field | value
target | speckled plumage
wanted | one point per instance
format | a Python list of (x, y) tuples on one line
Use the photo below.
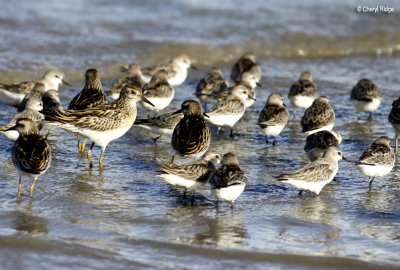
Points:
[(158, 91), (132, 76), (212, 84), (319, 116), (191, 136), (303, 92), (366, 96), (318, 142), (245, 64)]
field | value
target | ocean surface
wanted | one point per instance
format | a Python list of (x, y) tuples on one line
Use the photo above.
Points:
[(124, 217)]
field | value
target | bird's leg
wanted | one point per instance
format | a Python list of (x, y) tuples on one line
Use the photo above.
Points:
[(79, 145), (370, 116), (19, 187), (33, 186), (370, 181), (266, 139), (172, 161), (101, 158), (192, 201), (219, 128), (301, 191), (156, 138), (89, 155), (82, 150), (184, 193), (231, 135), (396, 150), (274, 142)]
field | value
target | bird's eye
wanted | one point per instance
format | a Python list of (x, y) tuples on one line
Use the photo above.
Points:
[(57, 76), (339, 153), (133, 92)]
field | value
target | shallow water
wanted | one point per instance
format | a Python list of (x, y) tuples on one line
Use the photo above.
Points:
[(124, 217)]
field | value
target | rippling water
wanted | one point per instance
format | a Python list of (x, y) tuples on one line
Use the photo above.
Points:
[(126, 218)]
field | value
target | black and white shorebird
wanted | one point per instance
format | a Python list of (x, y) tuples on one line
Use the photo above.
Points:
[(14, 93), (394, 119), (377, 160), (210, 86), (176, 68), (192, 175), (318, 142), (246, 64), (229, 181), (191, 136), (273, 117), (90, 96), (163, 125), (132, 76), (227, 112), (31, 153), (32, 111), (158, 91), (303, 92), (365, 96), (315, 175), (319, 116), (103, 123)]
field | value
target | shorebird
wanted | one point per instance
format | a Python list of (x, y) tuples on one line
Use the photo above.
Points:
[(230, 110), (158, 91), (32, 111), (90, 96), (377, 160), (319, 116), (366, 97), (31, 153), (103, 123), (245, 64), (394, 119), (273, 117), (315, 175), (176, 70), (318, 142), (210, 86), (192, 175), (14, 93), (162, 125), (228, 182), (191, 136), (303, 92), (132, 75)]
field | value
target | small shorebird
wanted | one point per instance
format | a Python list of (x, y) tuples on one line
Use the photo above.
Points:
[(366, 97), (31, 153), (192, 175), (210, 86), (90, 96), (318, 142), (319, 116), (191, 136), (132, 75), (315, 175), (230, 110), (228, 182), (176, 69), (103, 123), (51, 101), (32, 111), (273, 117), (377, 160), (37, 92), (162, 125), (394, 119), (158, 91), (245, 64), (303, 92), (14, 93)]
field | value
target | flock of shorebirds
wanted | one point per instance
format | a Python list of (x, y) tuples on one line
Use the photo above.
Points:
[(90, 116)]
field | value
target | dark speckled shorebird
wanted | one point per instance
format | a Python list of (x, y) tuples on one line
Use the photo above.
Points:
[(273, 117), (377, 160), (394, 119), (31, 153), (211, 85), (246, 64), (319, 116), (191, 136), (104, 123), (303, 92), (132, 76), (91, 95), (366, 96), (318, 142)]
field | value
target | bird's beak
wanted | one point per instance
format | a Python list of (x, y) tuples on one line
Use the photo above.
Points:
[(178, 111), (193, 67), (206, 115), (252, 98), (147, 101), (258, 84), (348, 160), (66, 83), (284, 105), (14, 127)]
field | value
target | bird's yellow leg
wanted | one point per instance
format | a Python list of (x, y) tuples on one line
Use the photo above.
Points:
[(101, 158), (82, 149), (19, 187), (89, 156), (33, 186)]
